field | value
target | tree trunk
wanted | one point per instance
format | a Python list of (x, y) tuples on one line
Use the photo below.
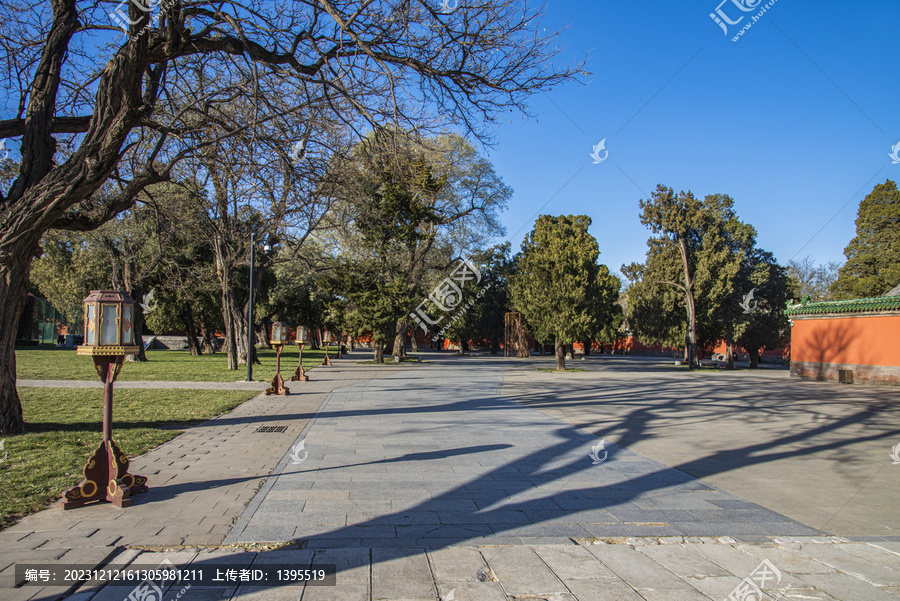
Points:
[(415, 343), (187, 317), (209, 347), (378, 352), (13, 290), (690, 334), (399, 347), (232, 330), (235, 331), (560, 355), (26, 321), (754, 358), (137, 320), (587, 347), (729, 351), (262, 335), (495, 345)]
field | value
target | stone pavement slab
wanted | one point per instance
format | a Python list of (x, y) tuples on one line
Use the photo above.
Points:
[(816, 452), (428, 484), (595, 572), (435, 455), (200, 482)]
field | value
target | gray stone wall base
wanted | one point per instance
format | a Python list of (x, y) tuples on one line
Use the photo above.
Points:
[(879, 375)]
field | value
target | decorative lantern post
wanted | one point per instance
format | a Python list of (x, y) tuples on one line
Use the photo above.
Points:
[(108, 337), (278, 339), (302, 337), (326, 338)]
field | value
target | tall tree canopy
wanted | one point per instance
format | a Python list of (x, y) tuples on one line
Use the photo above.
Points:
[(86, 106), (557, 282), (763, 324), (873, 256), (685, 287)]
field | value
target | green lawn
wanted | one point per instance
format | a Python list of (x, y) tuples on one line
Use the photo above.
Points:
[(64, 429), (64, 364)]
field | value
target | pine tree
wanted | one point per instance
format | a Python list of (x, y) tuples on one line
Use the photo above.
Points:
[(557, 280), (873, 256)]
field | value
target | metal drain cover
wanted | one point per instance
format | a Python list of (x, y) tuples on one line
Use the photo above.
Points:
[(273, 429)]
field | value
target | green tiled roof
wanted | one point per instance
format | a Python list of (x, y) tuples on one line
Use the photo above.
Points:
[(856, 305)]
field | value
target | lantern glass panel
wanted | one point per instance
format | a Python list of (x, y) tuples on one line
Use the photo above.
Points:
[(127, 328), (277, 333), (90, 324), (302, 334), (326, 336), (109, 326)]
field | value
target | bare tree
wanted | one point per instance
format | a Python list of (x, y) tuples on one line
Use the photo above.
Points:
[(76, 110), (812, 279)]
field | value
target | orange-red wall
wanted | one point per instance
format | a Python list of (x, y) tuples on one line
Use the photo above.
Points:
[(857, 340)]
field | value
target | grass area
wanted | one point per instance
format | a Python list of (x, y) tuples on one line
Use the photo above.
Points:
[(562, 371), (64, 364), (64, 429)]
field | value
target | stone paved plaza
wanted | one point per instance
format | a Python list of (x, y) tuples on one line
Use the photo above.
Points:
[(437, 455), (470, 478)]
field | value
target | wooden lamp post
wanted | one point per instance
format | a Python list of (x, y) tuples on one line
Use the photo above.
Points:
[(278, 339), (326, 338), (302, 337), (108, 337)]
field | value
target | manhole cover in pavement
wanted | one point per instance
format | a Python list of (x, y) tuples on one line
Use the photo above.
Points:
[(273, 429)]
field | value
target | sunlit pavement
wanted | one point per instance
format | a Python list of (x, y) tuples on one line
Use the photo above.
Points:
[(817, 452), (435, 455), (472, 478)]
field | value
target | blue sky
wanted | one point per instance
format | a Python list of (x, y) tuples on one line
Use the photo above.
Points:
[(793, 120)]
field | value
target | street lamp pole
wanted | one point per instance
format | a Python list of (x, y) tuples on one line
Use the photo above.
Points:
[(250, 312)]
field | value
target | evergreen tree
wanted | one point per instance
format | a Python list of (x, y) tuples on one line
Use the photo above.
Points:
[(684, 289), (557, 280), (873, 256), (764, 324)]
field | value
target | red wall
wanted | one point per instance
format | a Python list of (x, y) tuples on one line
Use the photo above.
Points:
[(856, 340)]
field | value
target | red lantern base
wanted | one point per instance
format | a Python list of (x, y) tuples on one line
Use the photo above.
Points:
[(277, 386), (106, 474), (106, 478), (299, 374)]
